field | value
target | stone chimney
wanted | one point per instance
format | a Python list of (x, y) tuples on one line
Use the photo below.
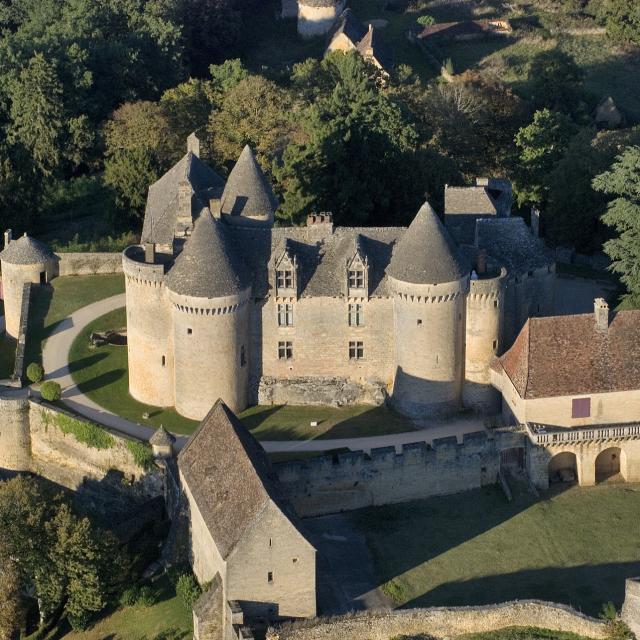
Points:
[(149, 252), (601, 312), (8, 237), (193, 145), (215, 206), (184, 201), (535, 222)]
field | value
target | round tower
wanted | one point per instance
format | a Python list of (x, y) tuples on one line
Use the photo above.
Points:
[(430, 281), (149, 331), (316, 17), (15, 438), (22, 261), (209, 290), (248, 199), (485, 313)]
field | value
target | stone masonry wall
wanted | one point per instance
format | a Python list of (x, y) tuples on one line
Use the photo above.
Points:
[(348, 481), (84, 264), (445, 622)]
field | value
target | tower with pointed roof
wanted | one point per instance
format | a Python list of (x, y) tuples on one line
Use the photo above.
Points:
[(429, 280)]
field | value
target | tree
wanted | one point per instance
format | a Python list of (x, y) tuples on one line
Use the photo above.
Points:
[(35, 372), (37, 114), (11, 604), (622, 19), (541, 145), (426, 20), (556, 81), (622, 181)]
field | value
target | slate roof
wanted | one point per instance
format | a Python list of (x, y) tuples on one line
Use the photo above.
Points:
[(230, 478), (568, 356), (162, 202), (208, 266), (469, 200), (352, 28), (374, 42), (26, 250), (248, 192), (426, 254), (162, 438), (510, 242)]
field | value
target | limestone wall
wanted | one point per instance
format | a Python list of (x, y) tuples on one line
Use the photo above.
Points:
[(84, 264), (15, 439), (445, 622), (631, 606), (314, 19), (348, 481)]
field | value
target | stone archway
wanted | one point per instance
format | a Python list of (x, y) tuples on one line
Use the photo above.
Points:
[(608, 465), (563, 467)]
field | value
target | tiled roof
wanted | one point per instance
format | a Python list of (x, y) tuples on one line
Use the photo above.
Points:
[(162, 202), (209, 266), (569, 355), (230, 477), (248, 192), (26, 250), (426, 254)]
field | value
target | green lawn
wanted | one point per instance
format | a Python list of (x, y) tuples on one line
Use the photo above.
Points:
[(521, 633), (166, 620), (51, 304), (574, 546), (102, 374)]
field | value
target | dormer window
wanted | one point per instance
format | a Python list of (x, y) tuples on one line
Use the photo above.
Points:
[(356, 279), (284, 279)]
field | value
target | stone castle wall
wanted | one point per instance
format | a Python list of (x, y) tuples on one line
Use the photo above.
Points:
[(315, 19), (354, 480), (444, 622), (85, 264)]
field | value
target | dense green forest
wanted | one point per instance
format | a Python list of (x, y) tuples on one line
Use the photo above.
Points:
[(97, 98)]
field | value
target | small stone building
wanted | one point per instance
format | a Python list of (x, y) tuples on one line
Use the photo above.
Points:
[(351, 35), (243, 534)]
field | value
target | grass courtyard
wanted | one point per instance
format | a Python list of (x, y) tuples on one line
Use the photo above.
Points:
[(574, 546), (102, 374)]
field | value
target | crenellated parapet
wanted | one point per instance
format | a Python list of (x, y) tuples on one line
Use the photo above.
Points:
[(137, 270)]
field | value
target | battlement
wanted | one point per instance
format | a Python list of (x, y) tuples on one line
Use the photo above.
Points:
[(136, 267)]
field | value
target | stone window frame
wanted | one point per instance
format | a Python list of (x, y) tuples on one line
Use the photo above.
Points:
[(285, 350), (285, 314), (356, 278), (284, 278), (356, 314), (270, 577), (356, 350)]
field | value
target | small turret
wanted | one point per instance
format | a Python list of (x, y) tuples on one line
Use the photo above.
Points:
[(162, 443)]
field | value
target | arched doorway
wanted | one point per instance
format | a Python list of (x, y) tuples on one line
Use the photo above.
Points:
[(608, 465), (563, 467)]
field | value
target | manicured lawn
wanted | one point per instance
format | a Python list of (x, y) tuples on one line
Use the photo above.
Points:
[(7, 356), (168, 619), (575, 546), (293, 422), (102, 373), (51, 304)]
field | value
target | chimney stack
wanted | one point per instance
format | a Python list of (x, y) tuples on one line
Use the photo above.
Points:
[(8, 237), (482, 262), (601, 312), (193, 145), (149, 252)]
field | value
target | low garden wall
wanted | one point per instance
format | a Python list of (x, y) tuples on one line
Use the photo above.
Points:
[(444, 622), (84, 264)]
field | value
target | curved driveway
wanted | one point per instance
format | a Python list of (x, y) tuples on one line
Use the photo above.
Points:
[(55, 359)]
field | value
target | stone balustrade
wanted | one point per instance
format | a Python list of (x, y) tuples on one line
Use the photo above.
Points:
[(547, 435)]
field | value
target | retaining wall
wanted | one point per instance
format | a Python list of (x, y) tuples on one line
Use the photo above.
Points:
[(84, 264), (445, 622), (343, 482)]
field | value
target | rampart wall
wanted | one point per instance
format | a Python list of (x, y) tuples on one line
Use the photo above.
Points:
[(84, 264), (444, 622), (343, 482)]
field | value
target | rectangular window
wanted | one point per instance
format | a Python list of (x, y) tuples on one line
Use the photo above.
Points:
[(356, 315), (284, 279), (356, 279), (164, 361), (270, 577), (285, 350), (581, 407), (189, 332), (285, 315), (356, 350), (243, 356)]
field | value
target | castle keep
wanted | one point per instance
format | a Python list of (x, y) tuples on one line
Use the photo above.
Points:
[(222, 304)]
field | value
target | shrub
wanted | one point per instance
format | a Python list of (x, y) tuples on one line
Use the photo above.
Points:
[(426, 20), (51, 391), (35, 372), (87, 433), (147, 597), (129, 596), (188, 590)]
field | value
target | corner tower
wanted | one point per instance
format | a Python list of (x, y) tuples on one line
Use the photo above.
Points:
[(209, 289), (248, 199), (430, 281)]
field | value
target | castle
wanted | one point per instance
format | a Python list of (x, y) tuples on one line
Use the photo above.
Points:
[(222, 304)]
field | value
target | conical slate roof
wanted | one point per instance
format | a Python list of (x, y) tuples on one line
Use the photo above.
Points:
[(426, 254), (26, 250), (207, 267), (248, 192), (162, 438)]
